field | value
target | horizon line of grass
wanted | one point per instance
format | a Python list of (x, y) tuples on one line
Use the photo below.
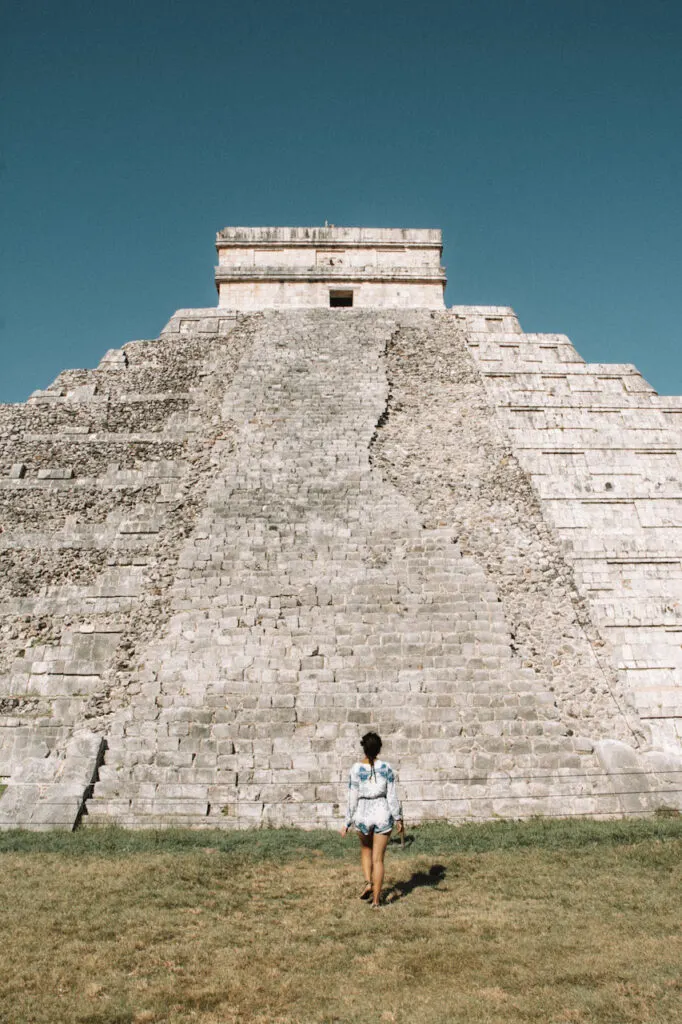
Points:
[(287, 843)]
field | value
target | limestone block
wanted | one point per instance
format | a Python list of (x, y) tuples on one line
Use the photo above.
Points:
[(82, 393), (46, 396), (140, 526), (56, 473), (638, 789), (114, 359)]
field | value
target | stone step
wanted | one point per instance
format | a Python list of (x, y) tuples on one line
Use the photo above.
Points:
[(50, 792)]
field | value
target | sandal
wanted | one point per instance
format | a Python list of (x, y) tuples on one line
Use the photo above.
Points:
[(366, 892), (375, 906)]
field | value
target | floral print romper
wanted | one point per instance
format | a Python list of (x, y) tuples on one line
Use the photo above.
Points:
[(373, 804)]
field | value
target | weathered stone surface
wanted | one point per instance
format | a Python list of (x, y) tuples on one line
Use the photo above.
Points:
[(50, 792), (602, 452), (266, 268), (283, 528), (78, 592)]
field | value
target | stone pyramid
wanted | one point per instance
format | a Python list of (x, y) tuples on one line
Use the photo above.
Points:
[(326, 505)]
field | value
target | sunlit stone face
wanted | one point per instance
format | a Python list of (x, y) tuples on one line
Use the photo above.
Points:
[(266, 268)]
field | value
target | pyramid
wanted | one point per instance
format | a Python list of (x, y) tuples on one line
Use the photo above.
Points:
[(326, 505)]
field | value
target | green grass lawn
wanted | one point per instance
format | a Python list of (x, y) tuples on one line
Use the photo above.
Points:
[(553, 922)]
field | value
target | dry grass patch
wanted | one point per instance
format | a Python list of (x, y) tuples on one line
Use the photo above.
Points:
[(583, 936)]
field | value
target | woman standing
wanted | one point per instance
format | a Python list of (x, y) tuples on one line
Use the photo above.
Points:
[(373, 809)]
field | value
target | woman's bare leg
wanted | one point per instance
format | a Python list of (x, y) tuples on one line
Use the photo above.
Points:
[(366, 856), (378, 851)]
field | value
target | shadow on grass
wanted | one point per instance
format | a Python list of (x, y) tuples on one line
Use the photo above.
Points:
[(433, 877), (401, 842)]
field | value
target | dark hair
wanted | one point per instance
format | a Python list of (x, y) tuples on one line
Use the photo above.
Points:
[(371, 744)]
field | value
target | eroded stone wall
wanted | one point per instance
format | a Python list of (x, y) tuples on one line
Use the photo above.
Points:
[(602, 451), (319, 596), (249, 541), (104, 474), (441, 446)]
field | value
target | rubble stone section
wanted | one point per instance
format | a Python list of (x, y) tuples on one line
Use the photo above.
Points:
[(227, 553), (100, 481), (441, 446), (602, 451)]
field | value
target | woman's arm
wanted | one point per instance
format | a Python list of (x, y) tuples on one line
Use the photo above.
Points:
[(353, 794), (394, 805)]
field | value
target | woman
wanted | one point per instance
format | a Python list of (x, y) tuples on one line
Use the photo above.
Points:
[(373, 808)]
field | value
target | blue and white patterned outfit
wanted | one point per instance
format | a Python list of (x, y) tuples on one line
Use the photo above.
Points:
[(373, 804)]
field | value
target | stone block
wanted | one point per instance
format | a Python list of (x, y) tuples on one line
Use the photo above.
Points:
[(56, 473), (114, 359)]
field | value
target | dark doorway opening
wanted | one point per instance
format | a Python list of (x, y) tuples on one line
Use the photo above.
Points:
[(340, 298)]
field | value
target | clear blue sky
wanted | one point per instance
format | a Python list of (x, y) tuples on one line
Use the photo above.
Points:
[(542, 136)]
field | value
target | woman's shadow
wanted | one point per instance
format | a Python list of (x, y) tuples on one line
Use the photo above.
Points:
[(433, 877)]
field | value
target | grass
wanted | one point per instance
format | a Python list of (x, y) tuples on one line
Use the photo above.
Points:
[(552, 922)]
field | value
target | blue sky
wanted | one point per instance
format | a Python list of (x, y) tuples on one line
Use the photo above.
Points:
[(542, 136)]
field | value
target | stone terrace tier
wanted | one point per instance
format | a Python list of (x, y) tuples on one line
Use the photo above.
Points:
[(604, 454)]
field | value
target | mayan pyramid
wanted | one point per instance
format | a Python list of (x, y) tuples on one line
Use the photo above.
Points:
[(330, 504)]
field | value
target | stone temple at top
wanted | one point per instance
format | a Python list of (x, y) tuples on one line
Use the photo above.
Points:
[(330, 504), (270, 268)]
